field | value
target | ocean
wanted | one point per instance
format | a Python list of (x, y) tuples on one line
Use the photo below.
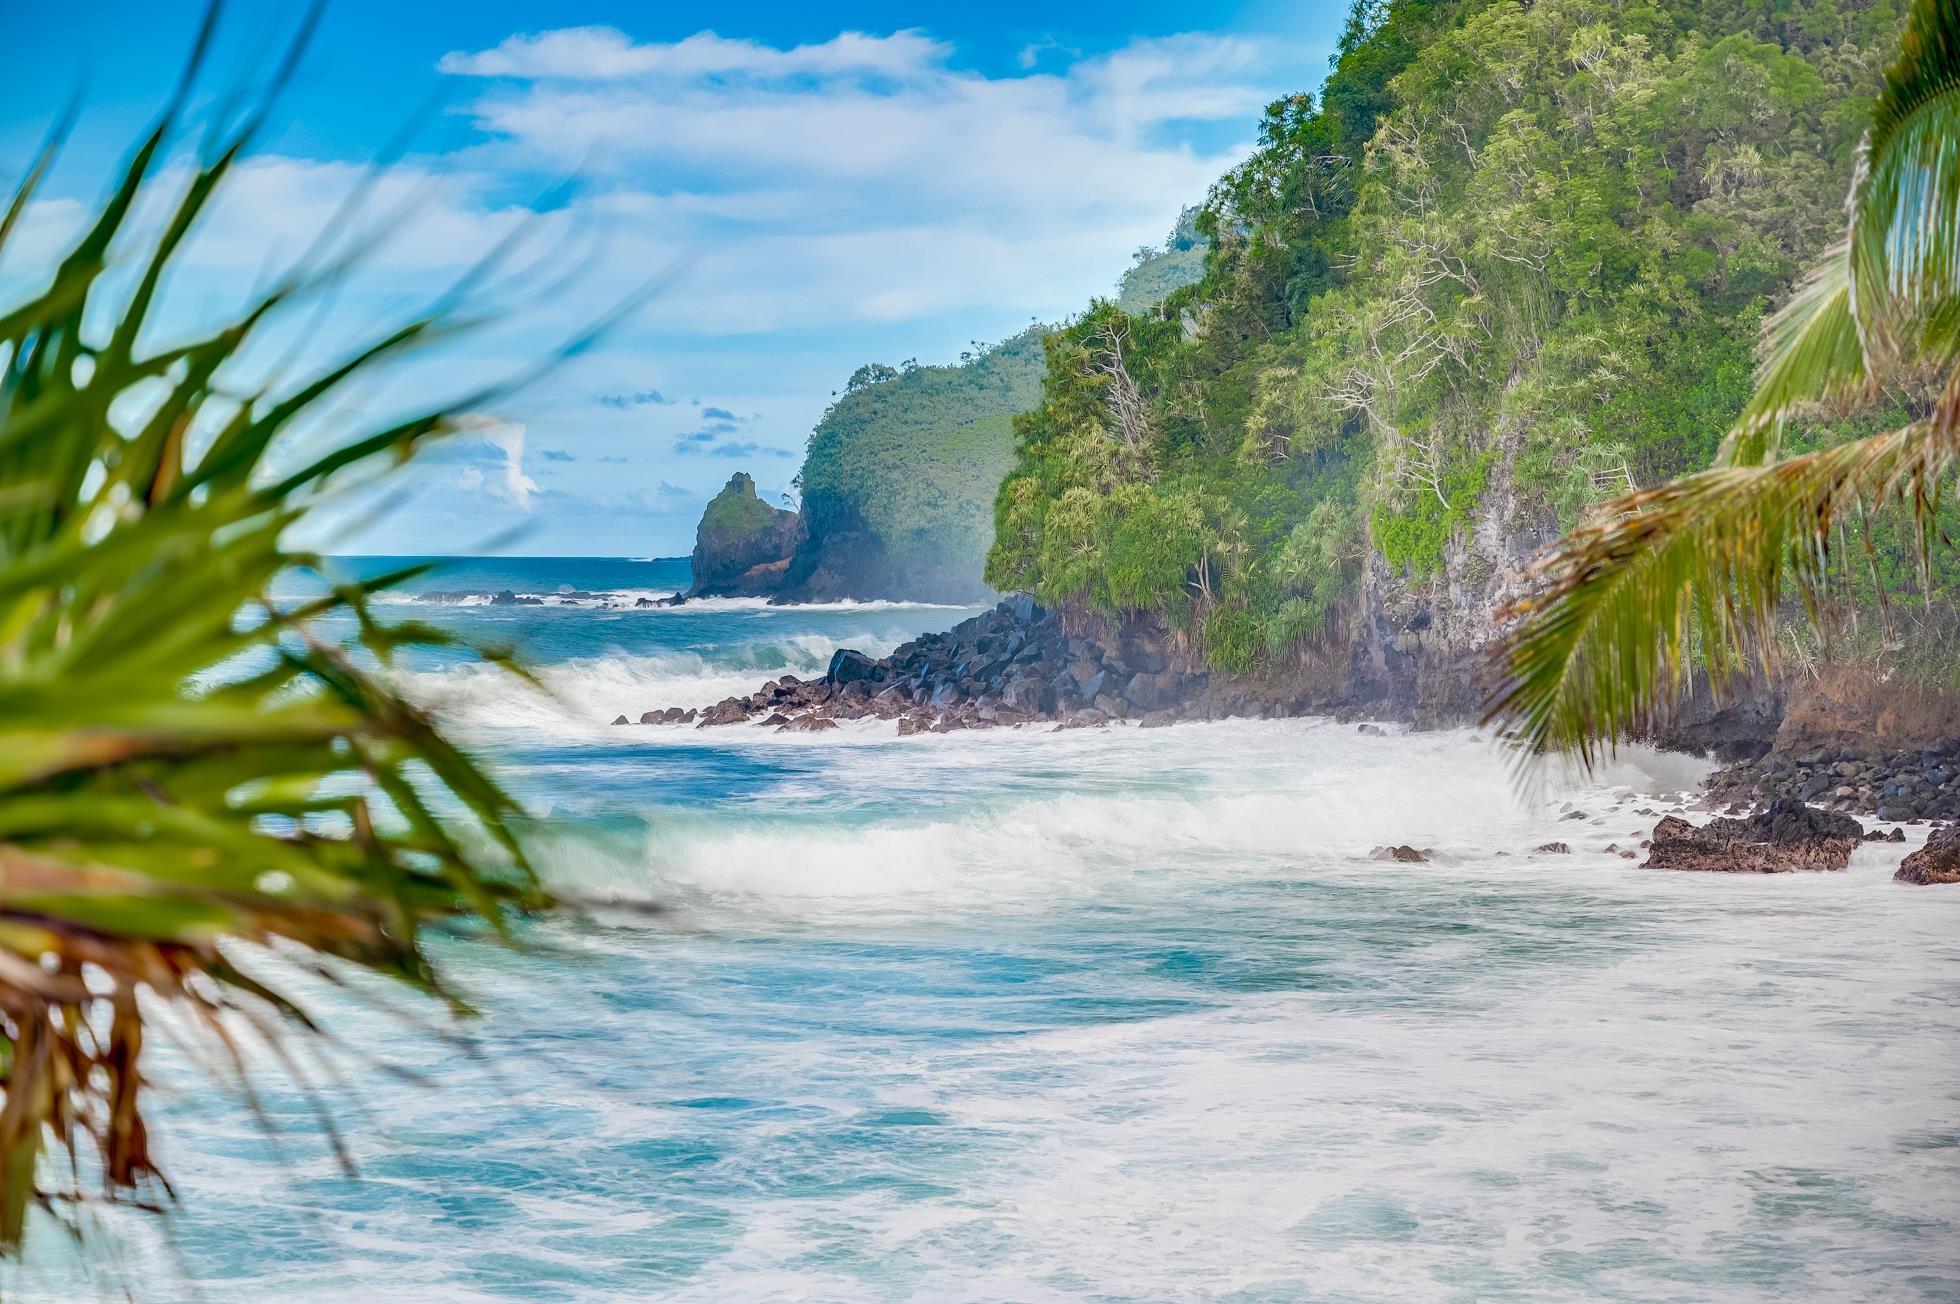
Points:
[(1112, 1015)]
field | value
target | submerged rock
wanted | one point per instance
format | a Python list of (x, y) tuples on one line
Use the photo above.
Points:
[(1936, 862), (1789, 836), (1405, 854)]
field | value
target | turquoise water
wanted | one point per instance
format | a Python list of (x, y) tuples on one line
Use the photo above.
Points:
[(1101, 1015)]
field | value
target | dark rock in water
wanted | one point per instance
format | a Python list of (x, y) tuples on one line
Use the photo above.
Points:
[(1788, 836), (506, 598), (1897, 835), (622, 720), (1405, 854), (911, 724), (808, 724), (1936, 862), (848, 666), (1573, 815), (1371, 731), (1553, 848)]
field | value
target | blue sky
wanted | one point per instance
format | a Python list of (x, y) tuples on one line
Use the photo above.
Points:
[(809, 187)]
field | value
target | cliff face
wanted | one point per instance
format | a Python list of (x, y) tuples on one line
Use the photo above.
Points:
[(743, 545)]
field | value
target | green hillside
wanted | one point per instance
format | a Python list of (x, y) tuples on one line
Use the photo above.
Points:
[(1510, 260)]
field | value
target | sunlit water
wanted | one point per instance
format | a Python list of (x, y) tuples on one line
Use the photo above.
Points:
[(1109, 1015)]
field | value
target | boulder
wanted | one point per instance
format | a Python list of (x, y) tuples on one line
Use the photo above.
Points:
[(1936, 862), (622, 720), (1021, 609), (808, 724), (849, 666), (730, 710), (1788, 836), (1553, 848), (1406, 855)]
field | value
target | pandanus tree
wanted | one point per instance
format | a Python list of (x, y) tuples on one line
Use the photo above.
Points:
[(1696, 573), (192, 780)]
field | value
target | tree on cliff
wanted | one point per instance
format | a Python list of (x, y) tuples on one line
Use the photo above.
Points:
[(1696, 570), (192, 781)]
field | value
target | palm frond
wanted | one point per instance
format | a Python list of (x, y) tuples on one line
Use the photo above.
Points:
[(1811, 356), (1600, 651), (1905, 228), (186, 768)]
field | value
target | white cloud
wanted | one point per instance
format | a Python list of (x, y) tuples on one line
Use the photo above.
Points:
[(866, 178)]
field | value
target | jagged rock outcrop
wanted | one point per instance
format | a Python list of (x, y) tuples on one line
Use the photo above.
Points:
[(1788, 836), (743, 546)]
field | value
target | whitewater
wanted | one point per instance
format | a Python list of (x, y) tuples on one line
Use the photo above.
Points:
[(1113, 1015)]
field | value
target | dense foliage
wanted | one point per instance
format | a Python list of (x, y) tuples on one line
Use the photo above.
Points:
[(1518, 244)]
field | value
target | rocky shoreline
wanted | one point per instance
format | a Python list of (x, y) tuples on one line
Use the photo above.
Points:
[(1014, 665)]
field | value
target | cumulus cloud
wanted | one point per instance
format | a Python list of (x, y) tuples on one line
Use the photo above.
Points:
[(718, 414)]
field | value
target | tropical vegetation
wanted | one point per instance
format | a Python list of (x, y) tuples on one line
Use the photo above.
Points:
[(1508, 263)]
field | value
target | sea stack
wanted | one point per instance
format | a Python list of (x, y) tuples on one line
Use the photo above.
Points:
[(743, 545)]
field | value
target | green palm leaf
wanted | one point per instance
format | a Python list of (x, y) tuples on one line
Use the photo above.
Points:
[(185, 768)]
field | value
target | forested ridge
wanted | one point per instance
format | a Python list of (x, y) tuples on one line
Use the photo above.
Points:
[(1511, 260)]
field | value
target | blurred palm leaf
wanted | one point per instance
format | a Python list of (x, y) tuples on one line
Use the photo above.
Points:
[(1600, 649), (184, 766)]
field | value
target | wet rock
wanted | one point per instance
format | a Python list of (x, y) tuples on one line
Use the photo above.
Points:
[(1371, 731), (1788, 836), (1407, 855), (1553, 848), (1936, 862), (807, 724), (622, 720)]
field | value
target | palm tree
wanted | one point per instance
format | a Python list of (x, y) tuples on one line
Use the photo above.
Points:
[(190, 777), (1697, 569)]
